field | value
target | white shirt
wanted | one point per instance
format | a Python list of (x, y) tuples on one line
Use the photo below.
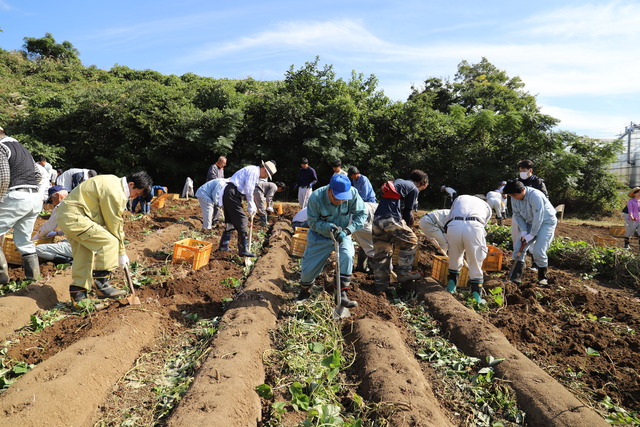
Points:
[(466, 206), (245, 181)]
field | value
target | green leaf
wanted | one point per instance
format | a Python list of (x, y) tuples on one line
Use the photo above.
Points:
[(492, 361), (316, 347), (264, 391), (332, 361), (279, 407), (592, 352)]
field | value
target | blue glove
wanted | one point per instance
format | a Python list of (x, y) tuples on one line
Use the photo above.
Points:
[(341, 236)]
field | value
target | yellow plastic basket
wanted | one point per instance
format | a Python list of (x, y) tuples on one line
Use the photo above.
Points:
[(11, 252), (440, 271)]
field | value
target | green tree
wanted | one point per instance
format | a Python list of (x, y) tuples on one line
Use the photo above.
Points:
[(46, 47)]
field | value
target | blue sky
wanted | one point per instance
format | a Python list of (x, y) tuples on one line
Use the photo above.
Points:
[(580, 58)]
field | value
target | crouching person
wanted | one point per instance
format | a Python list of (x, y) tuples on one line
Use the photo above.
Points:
[(392, 223), (334, 209), (536, 219), (91, 218), (58, 253), (466, 236)]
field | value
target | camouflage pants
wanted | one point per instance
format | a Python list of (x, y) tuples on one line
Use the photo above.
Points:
[(387, 233)]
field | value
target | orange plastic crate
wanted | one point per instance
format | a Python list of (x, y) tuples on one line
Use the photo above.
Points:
[(617, 230), (298, 244), (11, 252), (440, 271), (493, 261), (605, 240), (158, 202), (192, 251), (277, 207)]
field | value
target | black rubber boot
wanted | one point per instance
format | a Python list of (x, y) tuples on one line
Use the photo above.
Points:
[(345, 301), (407, 276), (4, 269), (476, 291), (345, 283), (31, 266), (103, 287), (626, 243), (264, 220), (224, 240), (77, 294), (361, 259), (452, 281), (61, 259), (499, 221), (305, 292), (243, 243), (542, 276)]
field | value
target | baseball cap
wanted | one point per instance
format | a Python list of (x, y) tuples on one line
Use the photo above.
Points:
[(341, 187), (54, 189)]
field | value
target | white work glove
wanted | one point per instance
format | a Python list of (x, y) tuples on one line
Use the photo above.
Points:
[(522, 234), (528, 238), (269, 209), (123, 260), (252, 209)]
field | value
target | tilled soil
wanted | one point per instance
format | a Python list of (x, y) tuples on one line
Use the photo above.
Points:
[(84, 356)]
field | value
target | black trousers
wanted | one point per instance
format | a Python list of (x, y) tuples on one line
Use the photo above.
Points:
[(234, 215)]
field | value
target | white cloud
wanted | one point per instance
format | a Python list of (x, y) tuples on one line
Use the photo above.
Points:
[(588, 21), (596, 124), (5, 6), (341, 36)]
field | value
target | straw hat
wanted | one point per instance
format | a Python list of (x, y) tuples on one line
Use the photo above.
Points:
[(270, 166), (633, 192)]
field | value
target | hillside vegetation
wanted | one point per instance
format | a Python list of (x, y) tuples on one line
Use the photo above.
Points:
[(467, 133)]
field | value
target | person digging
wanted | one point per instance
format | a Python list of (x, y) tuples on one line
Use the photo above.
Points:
[(391, 227), (536, 220), (242, 183), (466, 237), (334, 209), (91, 218)]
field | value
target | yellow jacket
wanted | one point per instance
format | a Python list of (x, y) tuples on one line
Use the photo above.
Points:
[(102, 199)]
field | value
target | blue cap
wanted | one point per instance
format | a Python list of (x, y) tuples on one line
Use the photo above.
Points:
[(340, 185), (53, 190)]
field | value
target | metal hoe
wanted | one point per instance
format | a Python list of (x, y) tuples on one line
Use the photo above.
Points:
[(339, 311), (515, 274), (133, 298), (248, 261)]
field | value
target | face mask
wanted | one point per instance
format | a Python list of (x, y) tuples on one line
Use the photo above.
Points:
[(524, 175)]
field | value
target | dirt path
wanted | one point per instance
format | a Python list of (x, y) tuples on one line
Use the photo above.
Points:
[(67, 388), (16, 308), (546, 401), (223, 392), (390, 374)]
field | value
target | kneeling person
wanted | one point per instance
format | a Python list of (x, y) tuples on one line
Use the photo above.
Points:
[(334, 209)]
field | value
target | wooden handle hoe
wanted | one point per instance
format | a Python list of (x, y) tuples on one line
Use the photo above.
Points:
[(133, 298)]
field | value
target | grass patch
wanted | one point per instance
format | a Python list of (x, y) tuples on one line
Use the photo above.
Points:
[(307, 371), (472, 386)]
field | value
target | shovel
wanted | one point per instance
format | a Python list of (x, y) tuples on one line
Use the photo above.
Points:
[(248, 261), (340, 311), (133, 298), (517, 268)]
